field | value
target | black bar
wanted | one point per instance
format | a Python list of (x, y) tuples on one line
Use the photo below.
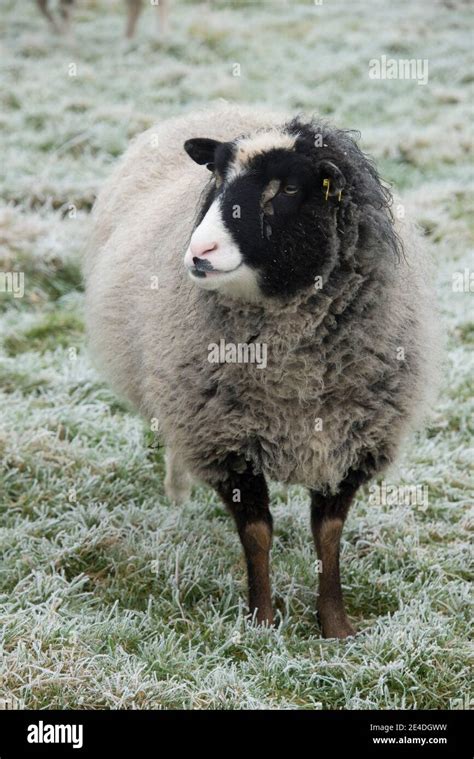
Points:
[(155, 733)]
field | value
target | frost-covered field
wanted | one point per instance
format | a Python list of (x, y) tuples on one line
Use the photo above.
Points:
[(109, 596)]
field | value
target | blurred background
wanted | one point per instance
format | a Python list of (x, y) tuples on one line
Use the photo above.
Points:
[(109, 597)]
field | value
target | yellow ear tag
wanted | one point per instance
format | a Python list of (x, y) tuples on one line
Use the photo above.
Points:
[(327, 183), (339, 196)]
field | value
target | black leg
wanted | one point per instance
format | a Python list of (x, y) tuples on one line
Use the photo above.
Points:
[(328, 514), (246, 497)]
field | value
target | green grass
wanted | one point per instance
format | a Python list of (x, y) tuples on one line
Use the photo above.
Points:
[(53, 329), (110, 597)]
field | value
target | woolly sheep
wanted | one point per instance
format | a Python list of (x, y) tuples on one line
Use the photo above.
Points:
[(248, 287)]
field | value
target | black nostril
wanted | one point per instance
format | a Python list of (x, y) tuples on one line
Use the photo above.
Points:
[(201, 264)]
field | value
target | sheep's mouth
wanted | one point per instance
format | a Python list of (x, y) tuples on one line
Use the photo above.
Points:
[(203, 269)]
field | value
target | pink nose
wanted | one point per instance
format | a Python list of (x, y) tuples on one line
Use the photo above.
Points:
[(200, 249)]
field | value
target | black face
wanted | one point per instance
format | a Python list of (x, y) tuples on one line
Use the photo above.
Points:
[(279, 207)]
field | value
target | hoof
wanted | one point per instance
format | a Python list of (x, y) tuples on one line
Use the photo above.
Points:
[(340, 632), (262, 619), (335, 626)]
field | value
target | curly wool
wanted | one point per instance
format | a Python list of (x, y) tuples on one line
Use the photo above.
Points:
[(349, 366)]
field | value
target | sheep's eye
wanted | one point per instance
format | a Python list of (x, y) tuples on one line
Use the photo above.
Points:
[(290, 189)]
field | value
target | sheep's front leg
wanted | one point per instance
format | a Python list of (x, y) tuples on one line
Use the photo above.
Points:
[(246, 497), (328, 514)]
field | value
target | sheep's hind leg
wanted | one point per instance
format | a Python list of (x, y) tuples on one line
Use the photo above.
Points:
[(65, 10), (134, 8), (43, 6), (328, 514), (246, 497)]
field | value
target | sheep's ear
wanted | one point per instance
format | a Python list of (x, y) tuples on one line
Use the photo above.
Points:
[(332, 178), (202, 151)]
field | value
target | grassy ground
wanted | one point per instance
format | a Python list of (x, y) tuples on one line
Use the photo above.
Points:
[(109, 596)]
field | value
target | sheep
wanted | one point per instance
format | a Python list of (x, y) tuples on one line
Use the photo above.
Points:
[(235, 227), (134, 8)]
